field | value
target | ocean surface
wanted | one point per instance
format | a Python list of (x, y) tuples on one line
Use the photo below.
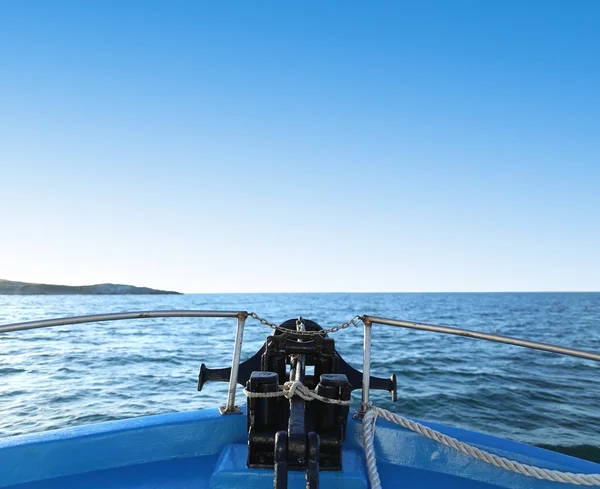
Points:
[(69, 376)]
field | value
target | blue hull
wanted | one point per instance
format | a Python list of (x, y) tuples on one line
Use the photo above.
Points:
[(203, 449)]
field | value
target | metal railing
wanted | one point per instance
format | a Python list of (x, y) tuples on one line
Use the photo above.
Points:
[(370, 320), (241, 316)]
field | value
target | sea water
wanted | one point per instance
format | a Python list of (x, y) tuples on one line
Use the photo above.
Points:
[(68, 376)]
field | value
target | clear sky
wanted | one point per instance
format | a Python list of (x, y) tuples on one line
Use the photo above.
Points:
[(301, 146)]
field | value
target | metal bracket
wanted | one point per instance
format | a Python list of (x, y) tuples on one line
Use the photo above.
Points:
[(294, 434), (226, 410), (254, 364)]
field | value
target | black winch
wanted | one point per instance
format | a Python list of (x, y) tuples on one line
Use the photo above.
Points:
[(293, 434)]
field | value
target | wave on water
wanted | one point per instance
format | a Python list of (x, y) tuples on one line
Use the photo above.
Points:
[(587, 452)]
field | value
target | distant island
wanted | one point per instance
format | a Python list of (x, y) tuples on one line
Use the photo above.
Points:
[(8, 287)]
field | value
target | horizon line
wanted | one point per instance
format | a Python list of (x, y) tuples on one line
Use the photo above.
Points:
[(411, 292)]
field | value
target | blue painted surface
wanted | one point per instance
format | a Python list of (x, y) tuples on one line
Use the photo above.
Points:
[(231, 469), (409, 456), (117, 444), (203, 449), (187, 473)]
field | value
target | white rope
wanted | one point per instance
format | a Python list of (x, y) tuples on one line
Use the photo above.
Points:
[(528, 470), (295, 388)]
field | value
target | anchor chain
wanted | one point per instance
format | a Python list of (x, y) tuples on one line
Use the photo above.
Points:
[(351, 322)]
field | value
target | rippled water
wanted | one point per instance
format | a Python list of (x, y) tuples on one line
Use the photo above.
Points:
[(82, 374)]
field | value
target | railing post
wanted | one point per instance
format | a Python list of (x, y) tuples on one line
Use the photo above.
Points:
[(231, 408), (366, 367)]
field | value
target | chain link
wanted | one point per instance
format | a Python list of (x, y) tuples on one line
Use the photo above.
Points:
[(352, 322), (300, 325)]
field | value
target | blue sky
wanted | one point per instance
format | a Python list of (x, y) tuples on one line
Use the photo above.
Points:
[(301, 146)]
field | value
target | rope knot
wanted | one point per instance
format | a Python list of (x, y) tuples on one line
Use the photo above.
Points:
[(290, 388), (294, 387)]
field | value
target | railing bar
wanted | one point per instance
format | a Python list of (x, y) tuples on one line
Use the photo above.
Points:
[(366, 366), (231, 408), (485, 336), (94, 318)]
